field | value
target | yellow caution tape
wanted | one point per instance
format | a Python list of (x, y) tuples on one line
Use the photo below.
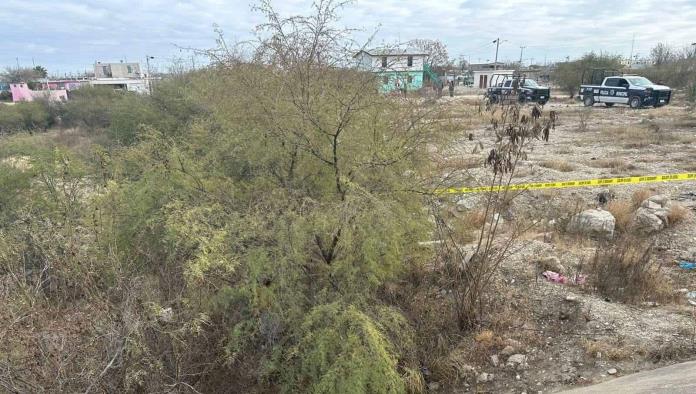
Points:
[(689, 176)]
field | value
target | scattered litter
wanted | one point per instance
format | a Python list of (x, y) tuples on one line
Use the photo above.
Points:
[(687, 265), (555, 277), (691, 297)]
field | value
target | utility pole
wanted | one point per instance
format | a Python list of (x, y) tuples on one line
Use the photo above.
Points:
[(693, 44), (630, 58), (17, 59), (497, 45), (521, 51), (147, 61)]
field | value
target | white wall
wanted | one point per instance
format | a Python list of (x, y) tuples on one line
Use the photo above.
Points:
[(489, 76)]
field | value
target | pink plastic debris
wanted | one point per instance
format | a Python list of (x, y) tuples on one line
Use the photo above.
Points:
[(555, 277)]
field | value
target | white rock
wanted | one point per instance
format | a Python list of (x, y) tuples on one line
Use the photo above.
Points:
[(646, 221), (572, 298), (517, 361), (661, 200), (612, 371), (484, 377), (166, 315), (494, 360), (507, 350), (650, 205), (653, 214), (594, 222)]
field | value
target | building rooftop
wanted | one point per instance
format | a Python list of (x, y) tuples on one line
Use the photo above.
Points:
[(390, 51)]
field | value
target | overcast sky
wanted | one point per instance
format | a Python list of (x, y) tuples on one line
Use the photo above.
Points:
[(70, 35)]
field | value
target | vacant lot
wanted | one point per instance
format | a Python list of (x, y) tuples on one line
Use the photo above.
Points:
[(575, 334)]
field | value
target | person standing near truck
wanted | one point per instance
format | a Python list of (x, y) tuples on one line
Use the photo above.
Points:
[(451, 88)]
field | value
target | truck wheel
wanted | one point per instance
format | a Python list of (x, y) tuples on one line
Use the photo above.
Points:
[(609, 104), (635, 102), (588, 101)]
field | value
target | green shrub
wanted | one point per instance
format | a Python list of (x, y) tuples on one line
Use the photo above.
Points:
[(10, 119), (343, 350), (36, 115), (28, 116), (128, 114), (90, 107)]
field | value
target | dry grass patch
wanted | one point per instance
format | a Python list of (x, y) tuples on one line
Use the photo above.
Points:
[(628, 272), (638, 136), (602, 349), (616, 165), (641, 195), (466, 224), (623, 213), (558, 165), (677, 213)]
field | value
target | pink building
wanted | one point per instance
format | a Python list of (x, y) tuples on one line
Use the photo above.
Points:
[(21, 92)]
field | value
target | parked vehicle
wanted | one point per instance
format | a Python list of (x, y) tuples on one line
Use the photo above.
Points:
[(506, 88), (611, 87)]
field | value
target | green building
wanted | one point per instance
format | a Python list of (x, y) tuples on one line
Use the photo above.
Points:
[(397, 69)]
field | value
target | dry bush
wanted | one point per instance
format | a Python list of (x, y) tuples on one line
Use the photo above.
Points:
[(677, 213), (558, 165), (690, 167), (641, 195), (638, 136), (623, 213), (628, 272), (584, 116), (485, 337), (464, 225), (474, 219), (616, 165), (605, 349), (415, 384)]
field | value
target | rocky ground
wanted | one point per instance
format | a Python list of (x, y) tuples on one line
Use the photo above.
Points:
[(570, 334)]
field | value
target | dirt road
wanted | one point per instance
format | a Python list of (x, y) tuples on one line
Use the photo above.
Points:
[(675, 379)]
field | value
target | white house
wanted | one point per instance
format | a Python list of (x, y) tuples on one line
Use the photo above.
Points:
[(131, 85), (484, 78), (124, 76)]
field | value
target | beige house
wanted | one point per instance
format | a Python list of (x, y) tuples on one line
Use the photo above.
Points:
[(117, 70)]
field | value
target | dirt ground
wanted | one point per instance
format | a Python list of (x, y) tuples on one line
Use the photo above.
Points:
[(571, 335)]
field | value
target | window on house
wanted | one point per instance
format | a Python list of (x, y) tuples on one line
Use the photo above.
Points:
[(409, 78), (130, 69), (385, 80), (384, 61), (409, 61)]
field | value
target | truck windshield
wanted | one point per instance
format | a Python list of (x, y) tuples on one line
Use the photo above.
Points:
[(639, 81), (530, 83)]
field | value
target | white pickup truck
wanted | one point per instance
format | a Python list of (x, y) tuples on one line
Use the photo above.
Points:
[(634, 90)]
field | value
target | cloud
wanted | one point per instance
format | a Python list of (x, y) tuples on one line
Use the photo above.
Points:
[(70, 35)]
